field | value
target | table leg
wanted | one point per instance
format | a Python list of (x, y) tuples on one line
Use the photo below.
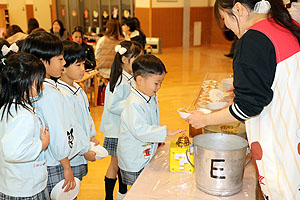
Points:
[(96, 87)]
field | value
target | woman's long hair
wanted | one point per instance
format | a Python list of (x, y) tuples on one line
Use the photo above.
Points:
[(32, 24), (62, 28), (114, 29), (278, 12)]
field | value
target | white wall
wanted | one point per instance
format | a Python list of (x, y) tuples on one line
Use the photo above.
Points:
[(200, 3), (27, 2), (17, 13), (175, 4), (42, 13), (3, 1), (142, 3)]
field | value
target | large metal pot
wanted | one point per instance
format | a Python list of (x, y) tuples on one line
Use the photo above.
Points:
[(219, 163)]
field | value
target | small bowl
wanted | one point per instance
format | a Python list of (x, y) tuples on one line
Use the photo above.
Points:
[(216, 106), (58, 193), (183, 114), (100, 151)]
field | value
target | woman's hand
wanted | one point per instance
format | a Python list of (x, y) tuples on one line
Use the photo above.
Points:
[(230, 89), (196, 119), (69, 180), (229, 98)]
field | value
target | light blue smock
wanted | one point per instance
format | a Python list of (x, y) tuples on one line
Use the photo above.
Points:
[(56, 115), (23, 170), (140, 132), (114, 104), (78, 104)]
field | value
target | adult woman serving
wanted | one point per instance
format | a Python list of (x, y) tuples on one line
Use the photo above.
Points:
[(266, 70)]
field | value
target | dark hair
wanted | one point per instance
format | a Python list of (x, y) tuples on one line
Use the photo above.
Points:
[(133, 50), (13, 29), (131, 23), (38, 29), (16, 80), (278, 12), (2, 43), (62, 28), (32, 24), (78, 29), (147, 64), (43, 45), (73, 52), (138, 24), (113, 29)]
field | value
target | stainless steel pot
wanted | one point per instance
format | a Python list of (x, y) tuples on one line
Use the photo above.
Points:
[(219, 163)]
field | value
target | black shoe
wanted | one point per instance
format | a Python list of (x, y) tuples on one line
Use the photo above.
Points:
[(229, 55)]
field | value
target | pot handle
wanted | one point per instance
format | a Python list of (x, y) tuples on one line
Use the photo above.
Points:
[(191, 149), (250, 159)]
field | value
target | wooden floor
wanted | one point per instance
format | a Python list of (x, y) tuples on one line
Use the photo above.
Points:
[(186, 70)]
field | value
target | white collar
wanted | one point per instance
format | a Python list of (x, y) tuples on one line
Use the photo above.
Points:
[(50, 82), (73, 89), (128, 76), (143, 96)]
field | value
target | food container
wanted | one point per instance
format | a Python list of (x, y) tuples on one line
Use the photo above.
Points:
[(219, 163)]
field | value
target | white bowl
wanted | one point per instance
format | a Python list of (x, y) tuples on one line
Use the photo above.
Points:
[(216, 95), (226, 83), (183, 114), (100, 151), (216, 106), (204, 111), (58, 193)]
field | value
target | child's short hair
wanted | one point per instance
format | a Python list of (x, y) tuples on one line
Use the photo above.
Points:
[(73, 52), (19, 73), (147, 64), (43, 45)]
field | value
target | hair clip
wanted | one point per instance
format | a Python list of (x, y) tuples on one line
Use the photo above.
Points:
[(119, 49), (3, 61), (262, 7), (5, 50)]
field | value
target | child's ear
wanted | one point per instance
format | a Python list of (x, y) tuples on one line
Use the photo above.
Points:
[(125, 60), (44, 62), (138, 80)]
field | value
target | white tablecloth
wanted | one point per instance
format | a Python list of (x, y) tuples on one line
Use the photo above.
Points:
[(157, 182)]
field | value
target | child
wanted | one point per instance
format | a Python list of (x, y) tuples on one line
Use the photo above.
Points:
[(140, 130), (76, 98), (23, 169), (116, 94), (63, 142)]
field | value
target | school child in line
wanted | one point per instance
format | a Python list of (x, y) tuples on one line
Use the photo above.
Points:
[(23, 140), (116, 93), (140, 129), (51, 107), (77, 100)]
